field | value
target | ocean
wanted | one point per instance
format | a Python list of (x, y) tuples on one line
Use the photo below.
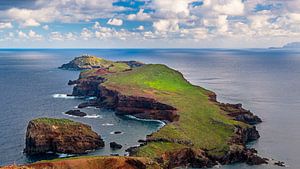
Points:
[(263, 80)]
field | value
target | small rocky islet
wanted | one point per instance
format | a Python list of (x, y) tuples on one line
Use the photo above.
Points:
[(199, 131), (60, 136)]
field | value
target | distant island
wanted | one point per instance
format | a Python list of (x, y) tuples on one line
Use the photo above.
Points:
[(292, 46), (199, 130)]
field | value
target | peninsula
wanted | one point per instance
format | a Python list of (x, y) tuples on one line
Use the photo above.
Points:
[(199, 131)]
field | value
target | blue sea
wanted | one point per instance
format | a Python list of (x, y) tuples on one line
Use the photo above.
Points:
[(265, 81)]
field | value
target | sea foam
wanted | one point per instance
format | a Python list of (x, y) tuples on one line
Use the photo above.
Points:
[(93, 116), (161, 123), (64, 96), (107, 124)]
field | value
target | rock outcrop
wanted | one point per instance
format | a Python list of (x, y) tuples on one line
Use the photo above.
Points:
[(239, 113), (140, 107), (115, 146), (76, 113), (60, 136)]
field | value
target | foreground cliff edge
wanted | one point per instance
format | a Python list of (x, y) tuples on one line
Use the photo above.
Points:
[(199, 131)]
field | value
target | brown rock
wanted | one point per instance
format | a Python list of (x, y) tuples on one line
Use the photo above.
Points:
[(76, 113), (60, 136)]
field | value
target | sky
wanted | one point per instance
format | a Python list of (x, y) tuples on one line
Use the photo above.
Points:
[(148, 23)]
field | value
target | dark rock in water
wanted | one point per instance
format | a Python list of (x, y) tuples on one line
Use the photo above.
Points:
[(279, 163), (60, 136), (253, 159), (142, 141), (114, 145), (87, 104), (117, 132), (76, 113), (73, 82)]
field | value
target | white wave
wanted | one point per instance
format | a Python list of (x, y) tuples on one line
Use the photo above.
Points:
[(113, 132), (161, 123), (91, 98), (93, 116), (64, 113), (64, 96), (64, 155), (107, 124), (91, 107)]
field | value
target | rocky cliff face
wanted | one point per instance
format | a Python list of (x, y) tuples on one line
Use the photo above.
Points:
[(60, 136), (239, 113), (140, 107)]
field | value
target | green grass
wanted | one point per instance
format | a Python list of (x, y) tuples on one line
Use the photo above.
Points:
[(154, 149), (201, 122), (53, 121)]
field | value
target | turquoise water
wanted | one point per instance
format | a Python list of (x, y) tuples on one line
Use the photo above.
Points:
[(265, 81)]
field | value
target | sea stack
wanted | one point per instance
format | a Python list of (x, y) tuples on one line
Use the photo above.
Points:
[(60, 136)]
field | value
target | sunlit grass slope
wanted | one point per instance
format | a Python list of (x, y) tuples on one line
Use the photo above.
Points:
[(201, 122)]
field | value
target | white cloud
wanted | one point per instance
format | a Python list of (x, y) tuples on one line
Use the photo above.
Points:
[(56, 36), (115, 22), (30, 22), (28, 17), (86, 34), (172, 8), (222, 23), (70, 36), (106, 33), (295, 17), (164, 25), (140, 16), (259, 21), (65, 11), (96, 25), (22, 35), (229, 7), (140, 28), (46, 27), (34, 36), (5, 25)]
